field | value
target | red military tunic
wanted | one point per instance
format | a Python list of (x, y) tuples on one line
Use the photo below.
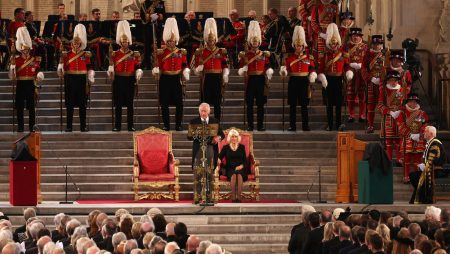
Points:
[(238, 38), (257, 62), (300, 65), (390, 99), (171, 61), (77, 63), (321, 16), (335, 63), (12, 30), (343, 32), (126, 63), (213, 61), (28, 71), (355, 88), (412, 121), (406, 78)]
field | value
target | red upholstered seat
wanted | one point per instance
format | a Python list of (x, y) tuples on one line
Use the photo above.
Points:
[(253, 177), (154, 163)]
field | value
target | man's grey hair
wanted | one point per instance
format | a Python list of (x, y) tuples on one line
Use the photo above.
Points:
[(34, 229), (72, 224), (14, 245), (432, 212), (117, 238), (92, 250), (48, 248), (203, 246), (6, 235), (204, 104), (130, 245), (154, 241), (170, 247), (214, 249), (58, 218), (42, 242), (29, 212)]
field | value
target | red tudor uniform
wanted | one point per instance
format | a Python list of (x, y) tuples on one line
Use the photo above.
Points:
[(26, 70), (412, 121), (390, 100), (76, 66), (238, 38), (355, 87), (171, 64), (372, 69), (321, 16), (397, 59), (213, 61), (305, 10), (125, 66)]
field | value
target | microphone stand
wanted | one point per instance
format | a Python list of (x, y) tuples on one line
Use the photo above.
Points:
[(66, 186)]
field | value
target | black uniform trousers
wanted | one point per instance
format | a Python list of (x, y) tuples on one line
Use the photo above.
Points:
[(25, 96), (255, 90), (298, 88), (171, 93), (334, 98), (123, 94), (212, 92), (75, 96)]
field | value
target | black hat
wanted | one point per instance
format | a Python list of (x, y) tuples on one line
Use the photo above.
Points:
[(356, 31), (374, 214), (397, 54), (413, 97), (347, 15), (377, 39), (393, 75)]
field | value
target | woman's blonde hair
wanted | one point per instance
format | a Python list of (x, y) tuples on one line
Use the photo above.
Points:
[(328, 231), (233, 132)]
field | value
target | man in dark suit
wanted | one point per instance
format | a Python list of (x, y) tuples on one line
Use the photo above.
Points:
[(328, 245), (344, 240), (355, 239), (211, 150), (109, 228), (313, 243), (363, 249), (376, 244), (299, 232)]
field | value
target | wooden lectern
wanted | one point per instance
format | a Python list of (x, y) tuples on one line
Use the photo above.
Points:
[(349, 152)]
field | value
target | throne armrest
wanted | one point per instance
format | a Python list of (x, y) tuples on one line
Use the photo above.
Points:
[(257, 170), (173, 164), (136, 169)]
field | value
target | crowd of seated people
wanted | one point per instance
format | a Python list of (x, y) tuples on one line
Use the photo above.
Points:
[(343, 232), (122, 233)]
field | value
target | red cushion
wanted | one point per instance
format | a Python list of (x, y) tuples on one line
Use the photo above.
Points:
[(153, 153), (156, 177)]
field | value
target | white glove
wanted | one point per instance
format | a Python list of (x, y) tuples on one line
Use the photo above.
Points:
[(355, 66), (155, 71), (154, 17), (186, 73), (312, 77), (415, 137), (376, 81), (349, 75), (323, 80), (226, 74), (421, 166), (323, 36), (395, 114), (12, 71), (60, 70), (309, 18), (242, 70), (269, 73), (198, 69), (91, 76), (283, 71), (139, 74), (110, 71), (40, 76)]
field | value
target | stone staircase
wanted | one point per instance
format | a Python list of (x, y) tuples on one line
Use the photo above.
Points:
[(100, 161)]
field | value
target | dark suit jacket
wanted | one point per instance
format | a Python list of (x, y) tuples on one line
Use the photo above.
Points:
[(98, 237), (327, 245), (313, 243), (349, 248), (56, 236), (361, 250), (196, 144), (299, 234), (343, 244), (106, 244), (69, 249), (18, 235), (33, 250)]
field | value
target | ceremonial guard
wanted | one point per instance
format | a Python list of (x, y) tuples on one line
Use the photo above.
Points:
[(255, 65), (212, 66), (372, 70), (411, 126), (322, 14), (390, 103), (431, 167), (305, 10), (300, 66), (332, 71), (173, 72), (356, 49), (236, 42), (396, 63), (75, 65), (19, 21), (347, 21), (125, 73), (25, 69)]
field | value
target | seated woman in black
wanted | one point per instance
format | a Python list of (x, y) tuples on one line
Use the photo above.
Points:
[(235, 167)]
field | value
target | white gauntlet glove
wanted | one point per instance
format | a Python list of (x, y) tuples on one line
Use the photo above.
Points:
[(186, 73), (323, 80), (110, 71), (242, 70), (283, 71), (421, 166), (139, 74), (60, 70), (12, 71), (349, 75), (91, 76), (269, 73), (312, 77), (198, 69), (226, 74), (40, 76), (155, 71), (376, 81)]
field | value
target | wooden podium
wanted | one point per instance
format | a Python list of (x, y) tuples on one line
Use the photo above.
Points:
[(349, 152)]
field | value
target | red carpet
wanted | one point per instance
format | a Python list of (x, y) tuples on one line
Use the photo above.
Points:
[(87, 202)]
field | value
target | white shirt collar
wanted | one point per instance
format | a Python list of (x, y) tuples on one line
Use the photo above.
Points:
[(206, 120)]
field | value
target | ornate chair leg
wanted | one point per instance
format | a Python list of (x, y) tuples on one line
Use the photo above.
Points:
[(177, 192)]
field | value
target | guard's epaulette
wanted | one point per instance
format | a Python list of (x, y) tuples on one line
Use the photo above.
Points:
[(159, 51), (223, 50), (198, 51), (266, 53), (241, 54), (87, 53), (183, 51), (137, 54)]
